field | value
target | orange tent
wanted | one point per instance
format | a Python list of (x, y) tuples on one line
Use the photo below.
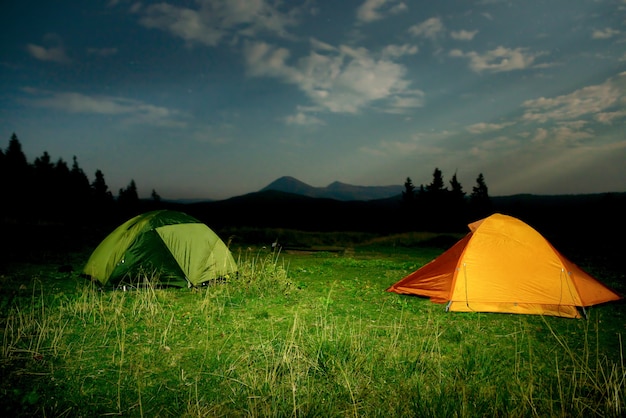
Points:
[(504, 265)]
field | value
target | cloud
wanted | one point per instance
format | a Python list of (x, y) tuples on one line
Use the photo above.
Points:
[(565, 134), (604, 102), (55, 53), (561, 135), (463, 35), (215, 19), (608, 117), (428, 144), (604, 33), (402, 103), (134, 111), (397, 51), (481, 128), (185, 23), (370, 10), (323, 46), (499, 59), (339, 80), (432, 28), (263, 59), (541, 135), (487, 148), (303, 119)]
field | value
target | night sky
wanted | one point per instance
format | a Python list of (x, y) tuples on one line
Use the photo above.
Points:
[(212, 99)]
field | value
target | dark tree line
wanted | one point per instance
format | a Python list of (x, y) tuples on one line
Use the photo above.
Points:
[(48, 190), (438, 207)]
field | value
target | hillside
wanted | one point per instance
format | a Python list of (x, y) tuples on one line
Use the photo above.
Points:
[(276, 209), (573, 223)]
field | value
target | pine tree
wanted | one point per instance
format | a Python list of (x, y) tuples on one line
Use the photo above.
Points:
[(79, 191), (16, 181), (100, 190), (408, 195), (437, 185), (456, 205), (128, 197), (433, 203), (14, 156), (101, 197), (456, 188), (479, 199), (80, 182), (44, 185), (480, 192)]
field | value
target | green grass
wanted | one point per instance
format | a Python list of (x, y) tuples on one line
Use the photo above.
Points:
[(297, 334)]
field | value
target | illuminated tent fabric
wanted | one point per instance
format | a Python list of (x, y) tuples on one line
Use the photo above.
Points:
[(504, 265), (171, 248)]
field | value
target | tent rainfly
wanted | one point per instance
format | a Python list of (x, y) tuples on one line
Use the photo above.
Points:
[(173, 248), (504, 265)]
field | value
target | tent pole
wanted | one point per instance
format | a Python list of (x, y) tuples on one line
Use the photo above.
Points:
[(584, 312)]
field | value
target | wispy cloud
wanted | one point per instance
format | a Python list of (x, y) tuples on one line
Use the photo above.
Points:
[(213, 20), (397, 51), (605, 102), (302, 118), (561, 135), (404, 102), (480, 128), (133, 111), (340, 80), (54, 53), (463, 35), (487, 148), (372, 10), (499, 59), (427, 143), (432, 29), (605, 33), (609, 117), (556, 125)]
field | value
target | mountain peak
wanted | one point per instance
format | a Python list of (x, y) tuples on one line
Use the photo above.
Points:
[(335, 190), (337, 185), (290, 185)]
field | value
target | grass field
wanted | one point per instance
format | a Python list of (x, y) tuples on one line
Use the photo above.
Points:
[(299, 333)]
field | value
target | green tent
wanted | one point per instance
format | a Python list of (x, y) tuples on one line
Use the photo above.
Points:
[(171, 248)]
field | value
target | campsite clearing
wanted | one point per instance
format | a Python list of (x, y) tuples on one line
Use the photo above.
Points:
[(298, 334)]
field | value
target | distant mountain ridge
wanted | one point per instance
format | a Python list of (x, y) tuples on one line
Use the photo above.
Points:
[(335, 190)]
